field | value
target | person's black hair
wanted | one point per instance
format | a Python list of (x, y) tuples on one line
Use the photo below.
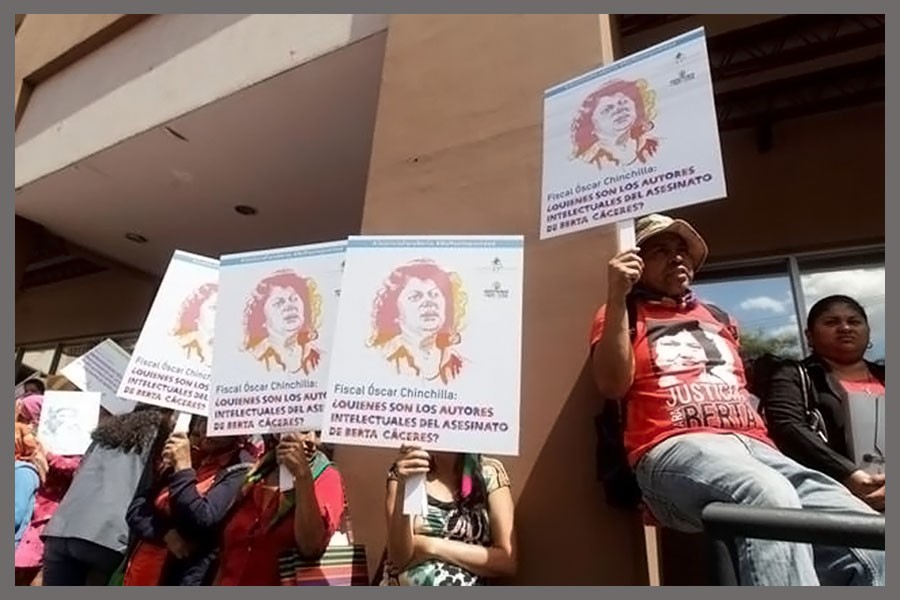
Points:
[(40, 385), (135, 431), (478, 497), (825, 304)]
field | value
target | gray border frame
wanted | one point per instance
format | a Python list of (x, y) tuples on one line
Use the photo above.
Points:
[(399, 6)]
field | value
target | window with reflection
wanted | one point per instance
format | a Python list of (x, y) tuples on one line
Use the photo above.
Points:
[(770, 299), (761, 300)]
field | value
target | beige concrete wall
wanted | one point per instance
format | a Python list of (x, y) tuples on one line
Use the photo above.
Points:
[(165, 67), (50, 43), (107, 302), (42, 39), (457, 149)]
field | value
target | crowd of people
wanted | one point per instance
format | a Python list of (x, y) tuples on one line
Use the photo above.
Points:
[(147, 506)]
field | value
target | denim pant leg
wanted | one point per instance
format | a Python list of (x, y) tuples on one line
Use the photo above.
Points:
[(683, 474), (61, 565), (835, 565)]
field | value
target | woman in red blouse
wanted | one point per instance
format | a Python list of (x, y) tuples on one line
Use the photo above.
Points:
[(266, 522)]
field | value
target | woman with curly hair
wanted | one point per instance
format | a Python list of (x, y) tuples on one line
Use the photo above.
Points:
[(416, 321), (281, 323), (176, 522), (613, 125), (86, 539)]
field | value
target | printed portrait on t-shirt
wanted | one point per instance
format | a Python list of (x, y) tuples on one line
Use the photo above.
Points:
[(696, 369), (686, 352)]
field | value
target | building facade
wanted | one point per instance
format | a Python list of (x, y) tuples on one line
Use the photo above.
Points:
[(137, 135)]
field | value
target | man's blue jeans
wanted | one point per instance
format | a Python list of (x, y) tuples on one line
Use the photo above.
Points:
[(684, 473)]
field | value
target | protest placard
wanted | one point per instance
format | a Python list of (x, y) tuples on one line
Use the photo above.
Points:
[(630, 138), (427, 350), (274, 327), (101, 369), (67, 420), (171, 360)]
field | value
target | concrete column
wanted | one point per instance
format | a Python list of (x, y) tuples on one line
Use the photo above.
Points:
[(457, 150)]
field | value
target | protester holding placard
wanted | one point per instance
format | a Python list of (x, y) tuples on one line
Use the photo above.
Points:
[(691, 440), (176, 521), (55, 484), (267, 522), (838, 332), (467, 537), (86, 539)]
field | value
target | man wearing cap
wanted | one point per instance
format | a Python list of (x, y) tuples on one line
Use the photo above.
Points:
[(692, 438)]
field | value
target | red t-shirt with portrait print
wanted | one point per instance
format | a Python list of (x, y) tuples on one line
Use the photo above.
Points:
[(688, 377)]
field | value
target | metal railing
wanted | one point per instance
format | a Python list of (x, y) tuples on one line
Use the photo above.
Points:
[(725, 522)]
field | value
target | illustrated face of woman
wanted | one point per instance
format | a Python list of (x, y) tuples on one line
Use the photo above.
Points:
[(679, 353), (614, 114), (206, 323), (284, 310), (66, 421), (421, 306), (840, 331)]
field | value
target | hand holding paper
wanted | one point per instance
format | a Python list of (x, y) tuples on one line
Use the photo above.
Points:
[(293, 456), (182, 423), (412, 467), (415, 497)]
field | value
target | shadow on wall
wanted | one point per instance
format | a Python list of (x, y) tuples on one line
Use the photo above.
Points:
[(139, 51), (555, 543)]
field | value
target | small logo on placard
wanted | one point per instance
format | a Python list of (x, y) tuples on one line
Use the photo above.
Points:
[(497, 291), (683, 76)]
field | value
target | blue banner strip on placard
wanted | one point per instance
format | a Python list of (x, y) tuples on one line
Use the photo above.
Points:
[(625, 62), (195, 259), (282, 254), (363, 242)]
